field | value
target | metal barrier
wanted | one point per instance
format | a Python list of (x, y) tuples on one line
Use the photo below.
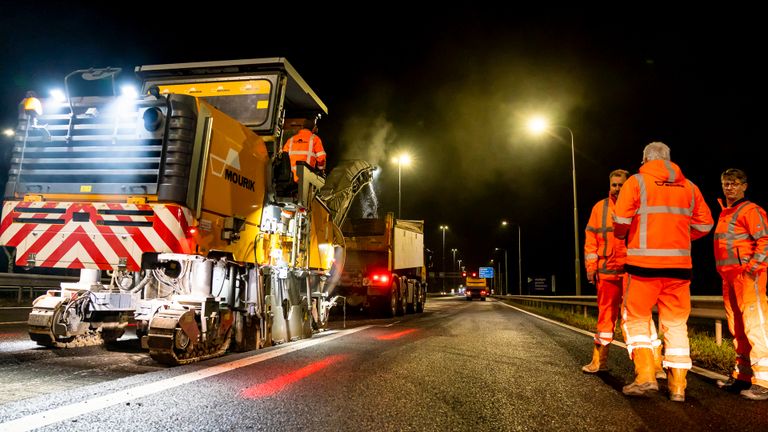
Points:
[(710, 307), (19, 282)]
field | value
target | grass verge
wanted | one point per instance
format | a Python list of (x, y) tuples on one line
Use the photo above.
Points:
[(704, 351)]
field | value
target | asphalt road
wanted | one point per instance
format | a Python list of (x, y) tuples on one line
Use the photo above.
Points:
[(460, 366)]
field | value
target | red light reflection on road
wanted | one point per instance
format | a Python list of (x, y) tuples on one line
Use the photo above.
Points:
[(395, 335), (275, 385)]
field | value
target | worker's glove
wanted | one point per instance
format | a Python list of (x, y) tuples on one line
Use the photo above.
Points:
[(592, 277)]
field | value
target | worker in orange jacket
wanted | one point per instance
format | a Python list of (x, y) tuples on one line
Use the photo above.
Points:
[(307, 147), (741, 251), (660, 212), (604, 257)]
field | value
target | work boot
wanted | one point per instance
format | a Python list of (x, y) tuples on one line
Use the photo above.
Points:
[(645, 374), (657, 362), (756, 392), (599, 360), (734, 385), (676, 384)]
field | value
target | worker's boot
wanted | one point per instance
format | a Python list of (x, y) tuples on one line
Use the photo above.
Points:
[(657, 362), (676, 384), (599, 360), (645, 374)]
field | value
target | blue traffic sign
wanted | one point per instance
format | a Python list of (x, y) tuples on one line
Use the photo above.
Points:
[(486, 272)]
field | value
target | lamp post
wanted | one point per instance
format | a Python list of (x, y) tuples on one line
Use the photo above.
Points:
[(453, 266), (519, 256), (539, 125), (403, 159), (443, 228), (505, 285)]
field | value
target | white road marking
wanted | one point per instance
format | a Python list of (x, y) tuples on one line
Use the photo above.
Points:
[(60, 414), (697, 370)]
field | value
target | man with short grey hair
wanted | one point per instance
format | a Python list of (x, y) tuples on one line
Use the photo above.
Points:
[(659, 211)]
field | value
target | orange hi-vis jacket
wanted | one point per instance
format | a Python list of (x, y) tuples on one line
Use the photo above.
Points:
[(603, 253), (305, 147), (741, 238), (662, 212)]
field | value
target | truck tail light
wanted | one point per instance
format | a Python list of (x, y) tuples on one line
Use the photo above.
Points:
[(380, 279)]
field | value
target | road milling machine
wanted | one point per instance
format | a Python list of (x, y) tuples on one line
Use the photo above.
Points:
[(181, 197)]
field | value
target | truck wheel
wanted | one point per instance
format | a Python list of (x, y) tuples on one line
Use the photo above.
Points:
[(400, 301), (418, 299), (410, 307), (390, 307)]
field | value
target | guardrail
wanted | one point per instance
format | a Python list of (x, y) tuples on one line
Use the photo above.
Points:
[(31, 283), (708, 307)]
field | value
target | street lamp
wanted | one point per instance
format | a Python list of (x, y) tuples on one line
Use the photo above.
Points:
[(519, 256), (505, 287), (443, 228), (539, 125), (453, 266), (403, 159)]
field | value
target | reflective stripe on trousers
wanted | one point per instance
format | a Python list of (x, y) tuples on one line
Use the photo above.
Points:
[(746, 310), (673, 299)]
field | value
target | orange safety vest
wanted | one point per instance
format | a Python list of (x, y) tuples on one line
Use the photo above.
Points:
[(603, 253), (662, 211), (741, 238), (305, 147)]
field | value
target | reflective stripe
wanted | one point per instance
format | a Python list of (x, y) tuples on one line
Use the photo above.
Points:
[(591, 256), (702, 227), (605, 335), (676, 365), (665, 209), (759, 308), (656, 342), (728, 261), (760, 234), (622, 220), (677, 351), (671, 170), (608, 271), (659, 252), (603, 224), (762, 362), (727, 236), (322, 153), (763, 376), (300, 152), (637, 339), (642, 228)]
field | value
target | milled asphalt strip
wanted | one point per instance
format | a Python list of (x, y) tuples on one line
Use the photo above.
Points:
[(697, 370), (56, 415)]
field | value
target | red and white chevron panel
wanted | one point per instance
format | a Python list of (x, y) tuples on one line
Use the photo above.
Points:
[(62, 235)]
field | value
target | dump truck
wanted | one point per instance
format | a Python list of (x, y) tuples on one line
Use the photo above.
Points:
[(385, 265), (181, 196), (476, 288)]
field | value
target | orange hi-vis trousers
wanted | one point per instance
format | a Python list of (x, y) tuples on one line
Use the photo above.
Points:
[(608, 306), (747, 312), (673, 299)]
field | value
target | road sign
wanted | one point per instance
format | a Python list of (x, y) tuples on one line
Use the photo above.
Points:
[(486, 272)]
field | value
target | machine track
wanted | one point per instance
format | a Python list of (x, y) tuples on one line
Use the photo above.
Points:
[(42, 320), (169, 344)]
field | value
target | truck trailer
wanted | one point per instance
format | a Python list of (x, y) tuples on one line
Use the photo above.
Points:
[(385, 265)]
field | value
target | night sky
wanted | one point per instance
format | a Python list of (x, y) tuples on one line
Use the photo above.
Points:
[(453, 87)]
